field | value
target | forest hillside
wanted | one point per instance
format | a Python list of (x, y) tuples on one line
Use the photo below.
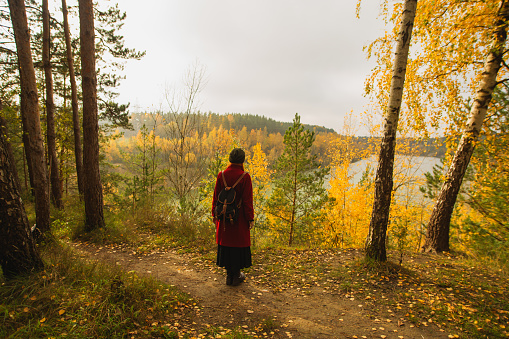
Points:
[(111, 225)]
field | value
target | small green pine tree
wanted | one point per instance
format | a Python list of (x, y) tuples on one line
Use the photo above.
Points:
[(299, 194)]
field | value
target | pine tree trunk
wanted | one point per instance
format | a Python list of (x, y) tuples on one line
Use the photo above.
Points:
[(18, 253), (437, 235), (375, 242), (78, 152), (294, 196), (93, 189), (30, 108), (8, 149), (56, 188), (26, 145)]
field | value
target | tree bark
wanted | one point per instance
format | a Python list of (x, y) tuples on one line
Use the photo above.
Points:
[(437, 235), (375, 242), (18, 253), (26, 144), (93, 189), (8, 149), (56, 186), (30, 108), (78, 152)]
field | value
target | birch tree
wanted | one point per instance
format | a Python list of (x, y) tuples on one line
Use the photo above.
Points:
[(184, 129), (437, 236), (350, 213), (455, 38), (375, 242), (258, 168)]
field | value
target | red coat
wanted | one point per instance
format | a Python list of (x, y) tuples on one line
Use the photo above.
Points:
[(238, 234)]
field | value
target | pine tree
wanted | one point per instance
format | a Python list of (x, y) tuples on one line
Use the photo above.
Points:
[(93, 188), (18, 252), (78, 150), (143, 162), (29, 100), (299, 193), (56, 189)]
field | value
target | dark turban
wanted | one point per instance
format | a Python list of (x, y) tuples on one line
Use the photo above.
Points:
[(237, 156)]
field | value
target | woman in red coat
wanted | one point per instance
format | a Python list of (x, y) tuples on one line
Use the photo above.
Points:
[(234, 239)]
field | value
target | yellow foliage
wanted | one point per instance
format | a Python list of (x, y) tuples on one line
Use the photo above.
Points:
[(461, 234), (258, 167), (449, 43), (347, 222)]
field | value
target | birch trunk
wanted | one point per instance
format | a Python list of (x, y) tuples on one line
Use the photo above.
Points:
[(375, 242), (93, 189), (437, 235), (30, 108)]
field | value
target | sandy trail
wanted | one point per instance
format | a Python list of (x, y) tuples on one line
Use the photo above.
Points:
[(315, 314)]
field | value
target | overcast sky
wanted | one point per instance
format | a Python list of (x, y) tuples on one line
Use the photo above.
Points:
[(268, 57)]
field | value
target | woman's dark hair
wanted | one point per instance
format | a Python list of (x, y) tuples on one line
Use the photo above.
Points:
[(237, 156)]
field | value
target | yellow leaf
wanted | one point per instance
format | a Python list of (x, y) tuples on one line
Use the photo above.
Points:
[(42, 320), (25, 309), (61, 312)]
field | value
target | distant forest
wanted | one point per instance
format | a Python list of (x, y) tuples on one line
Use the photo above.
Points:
[(235, 121), (238, 122)]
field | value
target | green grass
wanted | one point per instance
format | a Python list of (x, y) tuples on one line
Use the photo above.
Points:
[(145, 230), (226, 333), (82, 299), (79, 299)]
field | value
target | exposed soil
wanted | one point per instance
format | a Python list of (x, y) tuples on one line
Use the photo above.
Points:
[(290, 312)]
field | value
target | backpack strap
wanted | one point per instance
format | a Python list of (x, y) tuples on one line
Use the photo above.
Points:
[(224, 180), (236, 182)]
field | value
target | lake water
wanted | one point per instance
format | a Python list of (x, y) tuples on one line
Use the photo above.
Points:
[(409, 165)]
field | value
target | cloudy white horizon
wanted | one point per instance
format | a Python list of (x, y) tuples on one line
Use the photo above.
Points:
[(268, 57)]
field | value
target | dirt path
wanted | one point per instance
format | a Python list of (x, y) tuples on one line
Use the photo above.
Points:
[(291, 314)]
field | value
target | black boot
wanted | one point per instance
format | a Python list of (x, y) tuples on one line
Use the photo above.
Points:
[(229, 277), (238, 278)]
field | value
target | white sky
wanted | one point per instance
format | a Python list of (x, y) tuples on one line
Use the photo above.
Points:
[(268, 57)]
